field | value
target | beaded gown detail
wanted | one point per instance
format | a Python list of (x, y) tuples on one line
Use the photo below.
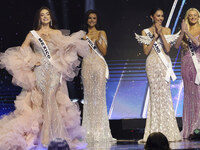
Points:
[(160, 113), (95, 117), (43, 108), (191, 106)]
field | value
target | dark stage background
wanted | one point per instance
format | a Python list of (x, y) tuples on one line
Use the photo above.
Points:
[(120, 19)]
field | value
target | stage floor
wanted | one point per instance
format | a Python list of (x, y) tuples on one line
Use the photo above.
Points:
[(123, 129), (133, 145)]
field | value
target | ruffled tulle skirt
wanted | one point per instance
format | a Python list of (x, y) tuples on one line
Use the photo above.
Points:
[(43, 108)]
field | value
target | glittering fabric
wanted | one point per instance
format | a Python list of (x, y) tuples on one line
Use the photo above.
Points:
[(95, 118), (43, 109), (191, 106), (160, 114)]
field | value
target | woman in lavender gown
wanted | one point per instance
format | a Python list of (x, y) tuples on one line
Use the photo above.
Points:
[(190, 30)]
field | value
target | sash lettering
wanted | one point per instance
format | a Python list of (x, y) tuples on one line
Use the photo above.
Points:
[(95, 49), (158, 49), (195, 61), (45, 49)]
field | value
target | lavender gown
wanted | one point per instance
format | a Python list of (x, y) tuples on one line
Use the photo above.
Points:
[(191, 107)]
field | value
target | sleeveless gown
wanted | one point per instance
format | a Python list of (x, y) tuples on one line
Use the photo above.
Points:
[(95, 117), (160, 113), (191, 106)]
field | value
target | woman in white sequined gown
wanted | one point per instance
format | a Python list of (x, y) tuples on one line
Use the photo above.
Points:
[(43, 109), (95, 118), (160, 115)]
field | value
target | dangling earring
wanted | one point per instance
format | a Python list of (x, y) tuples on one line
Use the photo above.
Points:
[(51, 23), (152, 20)]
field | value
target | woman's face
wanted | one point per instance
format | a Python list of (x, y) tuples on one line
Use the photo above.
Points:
[(158, 17), (45, 16), (193, 17), (92, 20)]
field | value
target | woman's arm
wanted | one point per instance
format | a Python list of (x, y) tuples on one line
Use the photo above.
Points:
[(26, 44), (27, 41), (147, 48), (179, 40), (192, 38), (184, 30), (101, 43)]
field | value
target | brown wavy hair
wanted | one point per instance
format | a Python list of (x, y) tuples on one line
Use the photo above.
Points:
[(37, 24)]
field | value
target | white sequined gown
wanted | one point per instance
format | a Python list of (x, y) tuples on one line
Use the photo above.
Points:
[(43, 109), (160, 115), (95, 118)]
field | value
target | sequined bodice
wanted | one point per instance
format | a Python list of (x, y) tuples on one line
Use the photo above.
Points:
[(38, 49)]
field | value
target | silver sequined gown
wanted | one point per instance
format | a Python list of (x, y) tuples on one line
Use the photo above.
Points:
[(95, 118), (160, 115)]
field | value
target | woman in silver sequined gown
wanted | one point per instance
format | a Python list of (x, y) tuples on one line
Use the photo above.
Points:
[(43, 109), (160, 115), (95, 118)]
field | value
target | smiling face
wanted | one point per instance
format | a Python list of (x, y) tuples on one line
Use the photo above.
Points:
[(193, 17), (158, 17), (45, 17), (92, 20)]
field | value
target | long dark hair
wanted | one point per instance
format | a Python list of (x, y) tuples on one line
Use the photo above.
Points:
[(37, 24), (85, 25), (154, 10), (157, 141)]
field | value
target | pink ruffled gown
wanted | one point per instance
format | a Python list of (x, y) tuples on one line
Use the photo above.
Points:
[(191, 106), (43, 109)]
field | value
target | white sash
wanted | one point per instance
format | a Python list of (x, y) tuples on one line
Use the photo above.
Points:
[(92, 45), (45, 49), (195, 61), (158, 48)]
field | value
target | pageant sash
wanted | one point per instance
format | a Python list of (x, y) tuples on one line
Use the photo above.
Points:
[(195, 61), (158, 49), (45, 49), (95, 49)]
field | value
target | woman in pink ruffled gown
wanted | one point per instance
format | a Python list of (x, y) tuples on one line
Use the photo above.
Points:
[(43, 109), (190, 29)]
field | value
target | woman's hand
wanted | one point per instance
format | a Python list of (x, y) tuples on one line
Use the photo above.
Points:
[(158, 28), (184, 28), (155, 33), (36, 65)]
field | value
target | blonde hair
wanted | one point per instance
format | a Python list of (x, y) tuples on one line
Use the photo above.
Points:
[(184, 42), (187, 13)]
